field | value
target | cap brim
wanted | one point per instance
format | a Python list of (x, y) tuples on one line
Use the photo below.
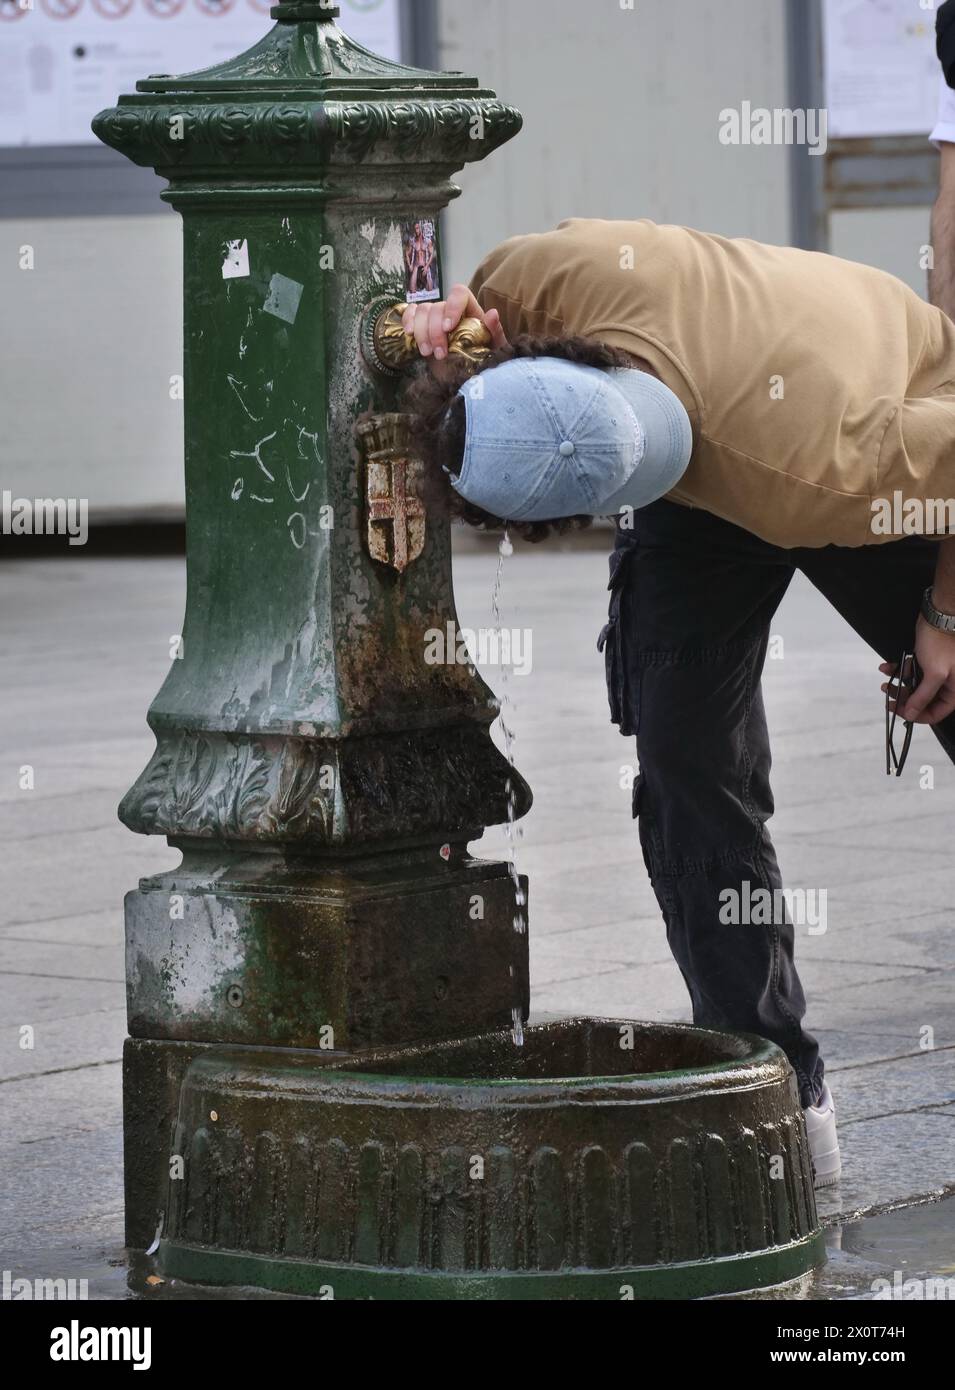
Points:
[(668, 441)]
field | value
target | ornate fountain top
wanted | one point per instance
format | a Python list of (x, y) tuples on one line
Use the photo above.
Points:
[(304, 97), (295, 10)]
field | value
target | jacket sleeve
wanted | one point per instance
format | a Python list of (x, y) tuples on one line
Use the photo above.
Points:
[(945, 40)]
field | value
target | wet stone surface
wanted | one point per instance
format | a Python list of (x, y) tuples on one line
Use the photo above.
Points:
[(890, 1254)]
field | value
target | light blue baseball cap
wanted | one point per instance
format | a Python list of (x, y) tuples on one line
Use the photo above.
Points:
[(548, 438)]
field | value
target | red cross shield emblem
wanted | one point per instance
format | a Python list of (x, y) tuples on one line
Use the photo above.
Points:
[(395, 512)]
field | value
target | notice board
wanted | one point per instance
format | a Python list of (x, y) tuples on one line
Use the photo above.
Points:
[(881, 70), (61, 61)]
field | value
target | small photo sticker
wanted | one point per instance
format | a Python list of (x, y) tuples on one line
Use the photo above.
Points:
[(236, 263), (420, 247)]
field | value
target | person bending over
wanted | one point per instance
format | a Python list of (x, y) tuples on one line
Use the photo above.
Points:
[(744, 411)]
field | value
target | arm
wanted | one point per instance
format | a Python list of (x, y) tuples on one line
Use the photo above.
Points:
[(934, 699), (942, 275)]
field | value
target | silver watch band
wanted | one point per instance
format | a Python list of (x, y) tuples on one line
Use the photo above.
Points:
[(945, 622)]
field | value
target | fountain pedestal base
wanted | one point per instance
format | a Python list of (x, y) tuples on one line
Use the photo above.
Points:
[(257, 950)]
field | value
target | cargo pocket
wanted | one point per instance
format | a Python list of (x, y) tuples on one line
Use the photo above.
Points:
[(654, 857), (622, 668)]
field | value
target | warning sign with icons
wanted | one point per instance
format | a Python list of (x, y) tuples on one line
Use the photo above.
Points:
[(61, 61)]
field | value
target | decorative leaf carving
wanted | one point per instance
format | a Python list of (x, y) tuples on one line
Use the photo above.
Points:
[(269, 789), (255, 134)]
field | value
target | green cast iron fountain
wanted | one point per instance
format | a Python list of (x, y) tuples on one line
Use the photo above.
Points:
[(322, 1091)]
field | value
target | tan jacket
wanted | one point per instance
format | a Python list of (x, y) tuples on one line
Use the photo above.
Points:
[(815, 386)]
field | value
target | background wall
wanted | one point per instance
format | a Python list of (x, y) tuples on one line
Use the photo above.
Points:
[(621, 115), (891, 238), (621, 112), (93, 334)]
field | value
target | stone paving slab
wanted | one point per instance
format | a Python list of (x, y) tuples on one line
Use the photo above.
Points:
[(70, 1043), (887, 1159), (857, 1047), (32, 1000), (645, 992), (902, 1007), (626, 943), (86, 808), (99, 866), (103, 928), (910, 1085), (58, 962), (44, 1107), (64, 1185), (924, 941)]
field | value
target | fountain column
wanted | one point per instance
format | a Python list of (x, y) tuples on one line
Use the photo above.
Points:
[(321, 779)]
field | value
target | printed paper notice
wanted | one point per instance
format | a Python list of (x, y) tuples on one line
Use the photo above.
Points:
[(881, 70), (61, 61)]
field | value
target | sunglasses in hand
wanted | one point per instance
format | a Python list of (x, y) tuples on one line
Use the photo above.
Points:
[(905, 680)]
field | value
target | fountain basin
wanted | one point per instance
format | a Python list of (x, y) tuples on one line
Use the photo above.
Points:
[(604, 1159)]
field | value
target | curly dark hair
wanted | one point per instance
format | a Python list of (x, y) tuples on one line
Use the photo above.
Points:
[(440, 432)]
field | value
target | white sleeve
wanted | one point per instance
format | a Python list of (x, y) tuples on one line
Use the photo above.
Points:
[(945, 125)]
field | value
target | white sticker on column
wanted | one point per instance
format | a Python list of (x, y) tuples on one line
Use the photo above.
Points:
[(236, 263), (391, 257), (283, 298)]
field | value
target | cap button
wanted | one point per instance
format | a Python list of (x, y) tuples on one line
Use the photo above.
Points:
[(567, 448)]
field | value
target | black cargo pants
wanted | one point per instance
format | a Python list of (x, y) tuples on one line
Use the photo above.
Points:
[(692, 599)]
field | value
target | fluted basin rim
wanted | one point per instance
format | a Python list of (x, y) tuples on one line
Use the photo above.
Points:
[(401, 1073)]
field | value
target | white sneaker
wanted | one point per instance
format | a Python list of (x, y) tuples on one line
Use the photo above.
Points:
[(823, 1140)]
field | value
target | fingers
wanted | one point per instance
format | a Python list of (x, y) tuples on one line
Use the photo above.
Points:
[(430, 323), (438, 315), (918, 703), (492, 322), (458, 306), (417, 324), (938, 706), (425, 323), (941, 708)]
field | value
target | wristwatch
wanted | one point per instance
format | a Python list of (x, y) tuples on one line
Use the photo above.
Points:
[(945, 622)]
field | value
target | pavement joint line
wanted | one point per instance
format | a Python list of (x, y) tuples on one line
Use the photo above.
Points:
[(68, 830), (792, 805), (882, 1061), (596, 926), (834, 960), (591, 975), (72, 917), (839, 989), (880, 824), (874, 1032), (65, 796), (841, 846), (72, 1132), (75, 945), (909, 970), (911, 917), (930, 1108), (60, 1071), (615, 965), (82, 1013), (81, 979), (924, 1199)]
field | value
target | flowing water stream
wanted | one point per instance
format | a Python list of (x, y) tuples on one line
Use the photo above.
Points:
[(512, 830)]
